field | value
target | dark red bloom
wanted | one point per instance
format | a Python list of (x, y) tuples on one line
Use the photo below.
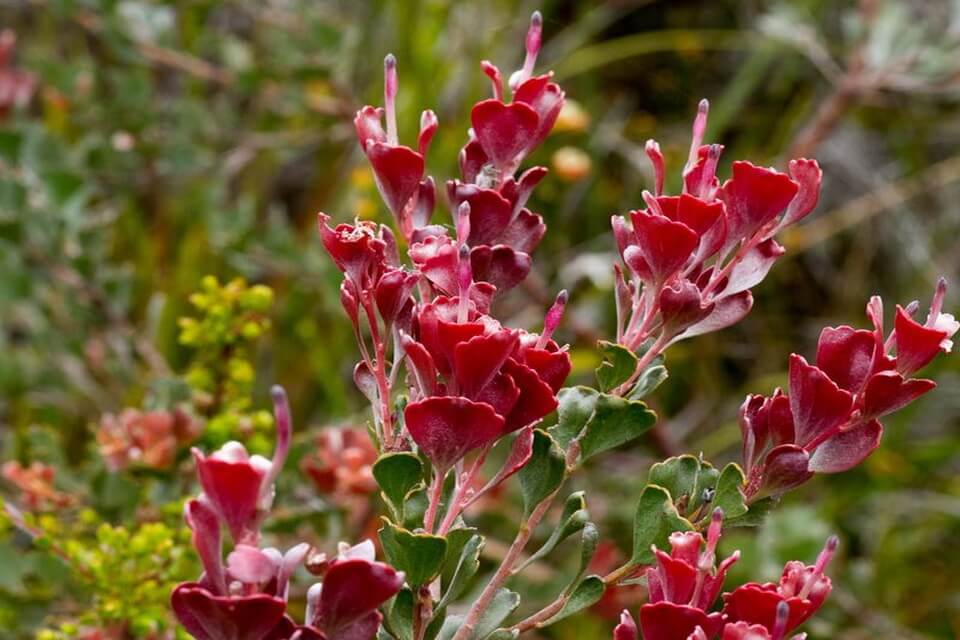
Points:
[(829, 422), (692, 259), (684, 584), (398, 170), (475, 381), (803, 589)]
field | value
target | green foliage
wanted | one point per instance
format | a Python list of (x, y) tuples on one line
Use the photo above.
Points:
[(398, 474), (419, 555), (544, 473), (617, 366), (230, 319)]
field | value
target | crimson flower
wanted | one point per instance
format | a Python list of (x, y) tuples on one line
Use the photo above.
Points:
[(692, 259), (475, 380), (781, 607), (398, 170), (684, 584), (829, 422), (746, 631), (238, 486)]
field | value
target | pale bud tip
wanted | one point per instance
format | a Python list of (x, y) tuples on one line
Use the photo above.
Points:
[(464, 252), (536, 20), (389, 62), (704, 106), (832, 543), (277, 393), (562, 298)]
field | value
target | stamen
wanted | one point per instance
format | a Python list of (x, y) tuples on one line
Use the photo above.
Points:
[(936, 306), (780, 623), (699, 129), (709, 171), (553, 318), (391, 85), (652, 203), (822, 561), (465, 279), (463, 223), (533, 44)]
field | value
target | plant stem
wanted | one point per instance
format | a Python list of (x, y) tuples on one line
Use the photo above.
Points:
[(436, 493)]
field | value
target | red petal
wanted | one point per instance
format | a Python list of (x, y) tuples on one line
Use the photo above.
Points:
[(744, 631), (627, 629), (352, 590), (553, 367), (846, 356), (887, 392), (757, 604), (917, 344), (490, 213), (547, 100), (726, 311), (682, 306), (808, 175), (472, 160), (818, 405), (538, 399), (666, 245), (478, 359), (447, 428), (504, 130), (502, 394), (233, 489), (398, 171), (525, 232), (369, 125), (500, 265), (754, 197), (209, 617), (753, 267), (785, 467), (847, 449), (669, 621)]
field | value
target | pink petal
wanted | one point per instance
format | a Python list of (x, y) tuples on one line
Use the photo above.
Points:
[(727, 311), (785, 467), (478, 359), (917, 344), (627, 629), (524, 232), (398, 171), (500, 265), (209, 617), (665, 245), (753, 267), (808, 175), (233, 489), (352, 590), (669, 621)]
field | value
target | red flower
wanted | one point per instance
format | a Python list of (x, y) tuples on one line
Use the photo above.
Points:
[(784, 606), (238, 486), (829, 422), (475, 381), (684, 584), (342, 464), (398, 170), (693, 258)]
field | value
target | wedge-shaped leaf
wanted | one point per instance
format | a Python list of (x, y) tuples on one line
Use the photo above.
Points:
[(587, 593), (575, 407), (756, 514), (656, 518), (615, 422), (618, 365), (419, 555), (572, 519), (502, 605), (691, 482), (414, 506), (589, 541), (398, 474), (544, 473), (504, 634), (466, 568), (729, 495)]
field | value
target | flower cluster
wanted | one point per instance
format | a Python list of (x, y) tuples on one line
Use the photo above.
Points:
[(684, 584), (466, 372), (829, 421), (340, 466), (246, 597), (147, 438), (692, 259), (35, 483)]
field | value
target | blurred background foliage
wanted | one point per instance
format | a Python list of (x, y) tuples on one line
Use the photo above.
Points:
[(170, 141)]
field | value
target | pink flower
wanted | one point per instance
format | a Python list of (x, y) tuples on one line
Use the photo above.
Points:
[(399, 170), (16, 86), (829, 421), (782, 607), (684, 584)]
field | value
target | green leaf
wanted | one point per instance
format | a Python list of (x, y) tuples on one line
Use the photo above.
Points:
[(466, 568), (618, 365), (572, 519), (690, 481), (399, 618), (503, 604), (544, 473), (589, 540), (615, 421), (656, 518), (728, 494), (575, 406), (587, 593), (414, 506), (651, 378), (397, 474), (756, 514), (419, 555)]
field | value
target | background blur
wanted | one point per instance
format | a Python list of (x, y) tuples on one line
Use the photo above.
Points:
[(167, 141)]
